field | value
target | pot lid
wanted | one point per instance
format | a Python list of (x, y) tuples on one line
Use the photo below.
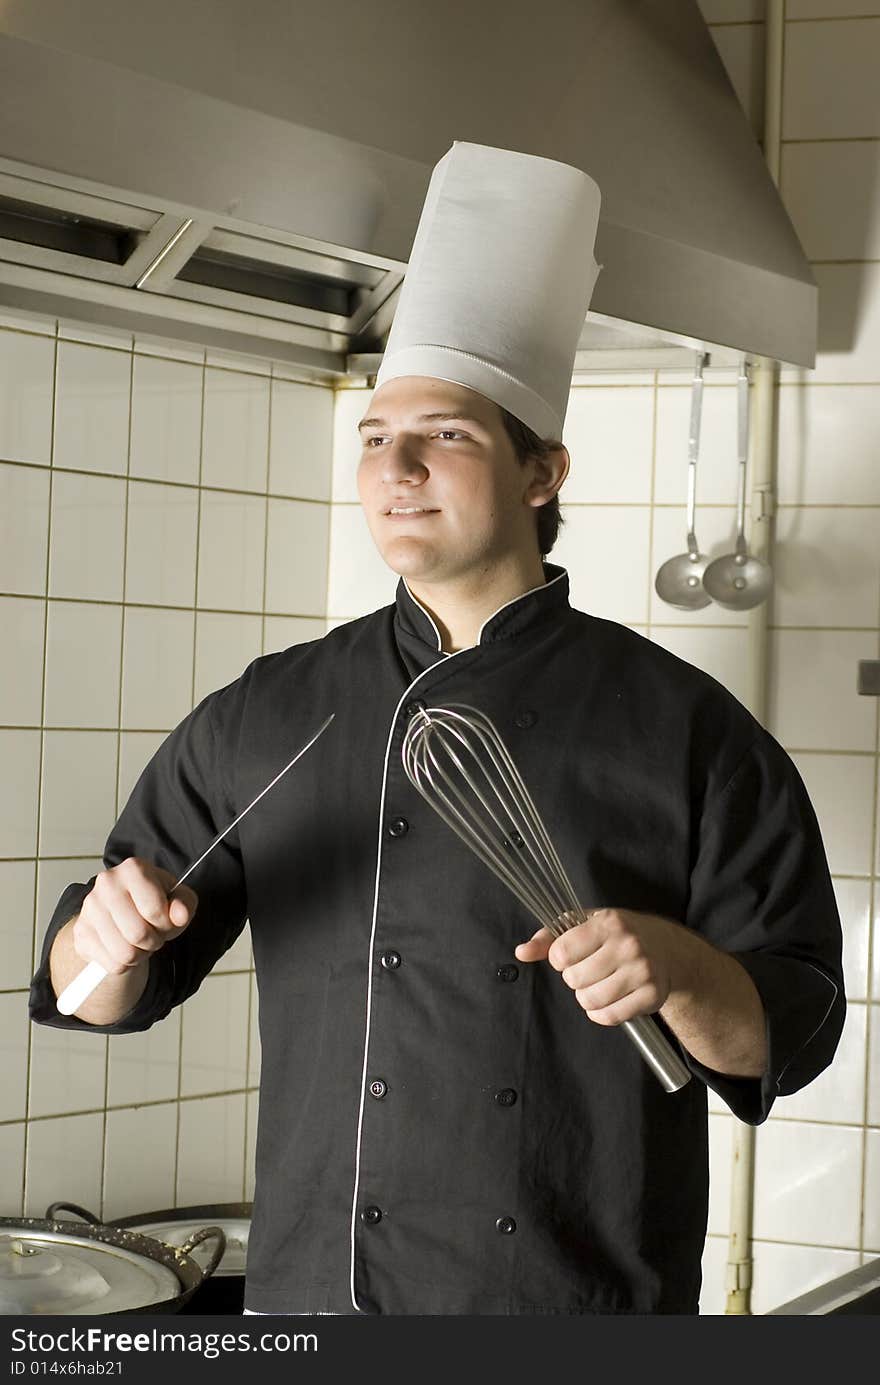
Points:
[(175, 1233), (44, 1271)]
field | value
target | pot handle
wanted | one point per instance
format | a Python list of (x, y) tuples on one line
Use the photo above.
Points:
[(202, 1235), (55, 1207)]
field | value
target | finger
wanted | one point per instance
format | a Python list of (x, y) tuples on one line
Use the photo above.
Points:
[(589, 971), (150, 899), (644, 1000), (537, 947), (576, 943), (98, 939), (182, 906)]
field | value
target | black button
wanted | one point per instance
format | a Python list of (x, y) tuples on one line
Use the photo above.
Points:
[(506, 1097), (378, 1088), (372, 1215), (390, 960), (412, 707), (506, 1225), (398, 827), (526, 718), (508, 972)]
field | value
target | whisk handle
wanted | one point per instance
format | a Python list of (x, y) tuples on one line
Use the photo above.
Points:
[(657, 1052)]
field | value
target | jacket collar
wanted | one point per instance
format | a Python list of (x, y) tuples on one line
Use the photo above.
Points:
[(532, 609)]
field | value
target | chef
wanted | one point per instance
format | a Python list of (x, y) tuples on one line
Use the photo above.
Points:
[(451, 1119)]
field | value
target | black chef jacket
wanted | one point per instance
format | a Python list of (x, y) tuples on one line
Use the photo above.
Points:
[(441, 1129)]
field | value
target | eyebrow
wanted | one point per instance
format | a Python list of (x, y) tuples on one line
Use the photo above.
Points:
[(423, 418)]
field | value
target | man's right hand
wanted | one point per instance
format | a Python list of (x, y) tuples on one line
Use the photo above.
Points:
[(129, 913)]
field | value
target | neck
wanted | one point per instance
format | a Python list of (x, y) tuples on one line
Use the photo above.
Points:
[(459, 608)]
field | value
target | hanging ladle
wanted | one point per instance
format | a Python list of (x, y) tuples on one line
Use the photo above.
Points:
[(739, 580), (679, 581)]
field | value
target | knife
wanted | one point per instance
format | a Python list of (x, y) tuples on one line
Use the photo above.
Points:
[(92, 974)]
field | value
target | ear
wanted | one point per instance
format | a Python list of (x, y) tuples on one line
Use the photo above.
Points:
[(548, 474)]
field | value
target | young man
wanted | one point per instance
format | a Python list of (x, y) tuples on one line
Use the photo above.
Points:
[(447, 1124)]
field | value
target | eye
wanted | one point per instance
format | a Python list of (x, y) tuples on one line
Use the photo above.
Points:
[(377, 437), (451, 432)]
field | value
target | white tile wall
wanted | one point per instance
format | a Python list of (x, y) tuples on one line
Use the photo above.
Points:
[(297, 546), (808, 1183), (814, 704), (717, 464), (830, 79), (609, 436), (225, 645), (161, 544), (166, 419), (19, 788), (720, 653), (17, 887), (359, 580), (854, 903), (13, 1051), (231, 553), (828, 444), (82, 664), (133, 1184), (67, 1071), (827, 567), (157, 668), (21, 686), (79, 791), (64, 1163), (872, 1191), (301, 441), (784, 1272), (88, 528), (236, 439), (215, 1033), (145, 1067), (211, 1145), (24, 494), (832, 193), (27, 370), (12, 1169), (606, 551), (92, 408), (837, 1094), (841, 789), (118, 659)]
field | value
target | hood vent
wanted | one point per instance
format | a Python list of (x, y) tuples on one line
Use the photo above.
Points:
[(260, 191)]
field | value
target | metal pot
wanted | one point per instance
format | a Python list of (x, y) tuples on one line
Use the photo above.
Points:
[(46, 1267), (221, 1292)]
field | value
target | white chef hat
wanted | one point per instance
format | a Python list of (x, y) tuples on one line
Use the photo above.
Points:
[(499, 281)]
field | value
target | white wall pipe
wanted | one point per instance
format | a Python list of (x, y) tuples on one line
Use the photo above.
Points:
[(765, 373)]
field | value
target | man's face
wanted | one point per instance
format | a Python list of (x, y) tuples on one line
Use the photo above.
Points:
[(446, 496)]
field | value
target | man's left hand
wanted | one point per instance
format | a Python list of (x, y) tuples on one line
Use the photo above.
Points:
[(619, 963)]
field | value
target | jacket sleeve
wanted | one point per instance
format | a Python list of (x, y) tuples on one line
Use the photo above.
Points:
[(761, 890), (181, 802)]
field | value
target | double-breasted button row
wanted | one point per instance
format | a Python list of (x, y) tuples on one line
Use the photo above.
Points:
[(372, 1215), (505, 1097), (398, 827), (378, 1088), (390, 960), (509, 971), (412, 707)]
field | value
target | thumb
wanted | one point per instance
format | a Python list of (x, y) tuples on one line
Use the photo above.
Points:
[(537, 947), (183, 905)]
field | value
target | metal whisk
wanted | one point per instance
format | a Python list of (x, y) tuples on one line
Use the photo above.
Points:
[(458, 762)]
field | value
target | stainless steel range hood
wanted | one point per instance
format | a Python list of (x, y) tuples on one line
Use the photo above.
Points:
[(251, 175)]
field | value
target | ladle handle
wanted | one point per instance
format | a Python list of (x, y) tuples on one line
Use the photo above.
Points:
[(694, 450), (742, 439)]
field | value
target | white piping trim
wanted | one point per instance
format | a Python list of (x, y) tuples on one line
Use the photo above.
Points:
[(403, 697), (357, 1164), (512, 602), (807, 1043)]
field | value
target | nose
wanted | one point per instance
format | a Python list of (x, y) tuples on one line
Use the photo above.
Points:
[(401, 461)]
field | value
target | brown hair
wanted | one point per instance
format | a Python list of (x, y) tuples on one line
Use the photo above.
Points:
[(527, 444)]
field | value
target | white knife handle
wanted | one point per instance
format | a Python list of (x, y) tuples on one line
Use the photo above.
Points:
[(80, 988)]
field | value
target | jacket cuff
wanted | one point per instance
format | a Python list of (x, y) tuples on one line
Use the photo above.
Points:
[(153, 1004), (804, 1011)]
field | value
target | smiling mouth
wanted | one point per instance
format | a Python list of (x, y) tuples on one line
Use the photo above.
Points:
[(408, 510)]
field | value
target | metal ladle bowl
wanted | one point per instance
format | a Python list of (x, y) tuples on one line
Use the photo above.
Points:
[(679, 581), (739, 580)]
